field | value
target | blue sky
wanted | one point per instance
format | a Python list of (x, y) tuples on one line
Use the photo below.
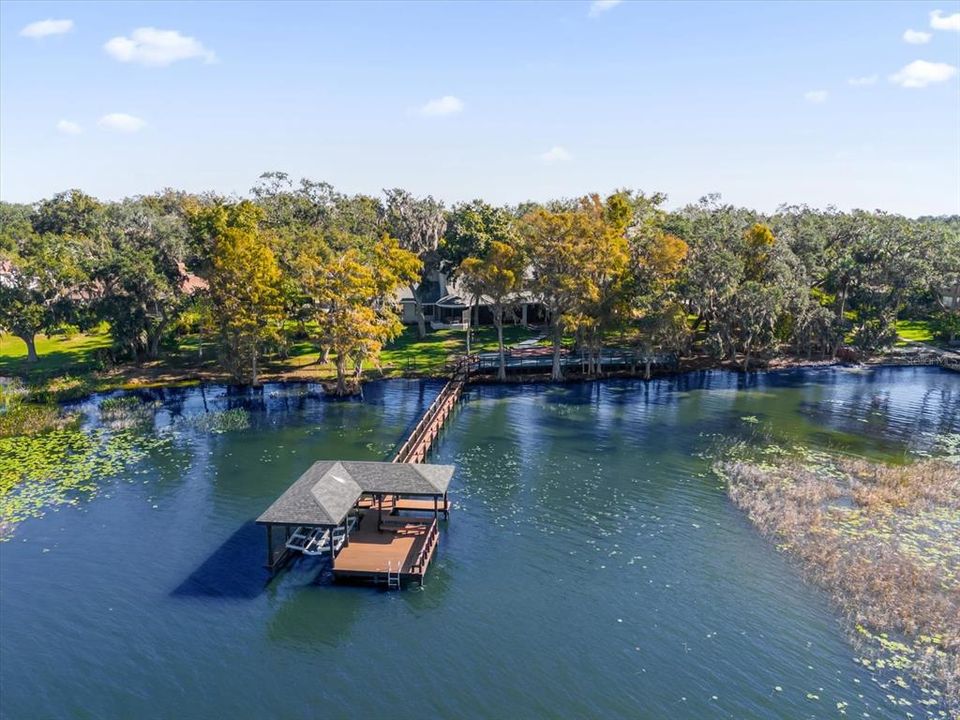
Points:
[(505, 101)]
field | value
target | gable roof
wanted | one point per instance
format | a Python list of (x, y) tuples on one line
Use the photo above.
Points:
[(324, 494)]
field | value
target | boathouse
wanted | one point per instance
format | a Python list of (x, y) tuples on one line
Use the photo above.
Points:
[(377, 521)]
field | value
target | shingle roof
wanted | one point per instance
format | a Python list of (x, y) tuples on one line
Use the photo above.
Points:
[(403, 478), (324, 494)]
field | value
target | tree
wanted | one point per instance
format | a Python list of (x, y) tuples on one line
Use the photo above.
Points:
[(603, 257), (890, 259), (309, 205), (556, 242), (497, 276), (141, 274), (14, 225), (657, 259), (245, 296), (353, 312), (471, 228), (758, 306), (72, 213), (663, 327), (715, 267), (37, 282), (418, 225)]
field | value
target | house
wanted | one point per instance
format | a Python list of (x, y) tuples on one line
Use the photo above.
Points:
[(447, 304)]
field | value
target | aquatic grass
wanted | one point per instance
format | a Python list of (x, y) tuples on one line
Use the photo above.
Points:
[(32, 419), (218, 422), (128, 411), (20, 414), (39, 472), (884, 541)]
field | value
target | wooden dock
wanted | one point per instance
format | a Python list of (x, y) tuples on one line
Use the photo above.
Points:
[(386, 519), (390, 545), (418, 443)]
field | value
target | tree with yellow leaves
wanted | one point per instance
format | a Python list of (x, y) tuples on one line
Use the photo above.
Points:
[(245, 296), (351, 295), (604, 267), (578, 263), (553, 240), (657, 260), (497, 276)]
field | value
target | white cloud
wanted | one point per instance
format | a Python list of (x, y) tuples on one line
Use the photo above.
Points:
[(149, 46), (816, 96), (921, 73), (121, 122), (939, 21), (863, 80), (556, 154), (916, 37), (67, 127), (598, 7), (446, 105), (42, 28)]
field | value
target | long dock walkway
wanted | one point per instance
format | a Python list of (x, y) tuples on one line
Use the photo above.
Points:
[(418, 443), (389, 544)]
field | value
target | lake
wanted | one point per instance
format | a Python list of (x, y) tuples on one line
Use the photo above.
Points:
[(593, 566)]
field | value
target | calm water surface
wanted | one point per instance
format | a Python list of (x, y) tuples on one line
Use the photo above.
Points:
[(592, 568)]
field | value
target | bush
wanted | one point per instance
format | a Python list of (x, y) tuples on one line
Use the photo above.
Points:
[(946, 325)]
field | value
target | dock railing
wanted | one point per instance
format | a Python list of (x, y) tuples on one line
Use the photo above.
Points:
[(418, 442), (541, 359), (419, 566)]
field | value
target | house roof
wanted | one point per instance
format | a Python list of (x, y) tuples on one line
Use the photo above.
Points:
[(452, 301), (324, 494), (189, 282)]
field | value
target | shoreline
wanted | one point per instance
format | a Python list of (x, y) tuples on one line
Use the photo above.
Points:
[(102, 385)]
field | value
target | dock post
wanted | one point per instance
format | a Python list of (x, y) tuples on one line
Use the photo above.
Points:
[(269, 546)]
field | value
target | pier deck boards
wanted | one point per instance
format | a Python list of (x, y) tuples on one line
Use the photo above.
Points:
[(370, 552), (416, 505)]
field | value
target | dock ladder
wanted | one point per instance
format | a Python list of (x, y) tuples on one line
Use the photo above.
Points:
[(393, 578)]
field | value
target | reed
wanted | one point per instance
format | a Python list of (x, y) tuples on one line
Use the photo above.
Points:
[(884, 541)]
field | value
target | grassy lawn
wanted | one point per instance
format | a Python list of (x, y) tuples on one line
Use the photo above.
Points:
[(914, 331), (58, 354), (406, 355)]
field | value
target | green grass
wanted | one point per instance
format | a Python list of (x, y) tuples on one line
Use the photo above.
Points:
[(914, 331), (411, 355), (407, 355), (57, 354)]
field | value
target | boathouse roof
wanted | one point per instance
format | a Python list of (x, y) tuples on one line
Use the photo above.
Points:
[(324, 494)]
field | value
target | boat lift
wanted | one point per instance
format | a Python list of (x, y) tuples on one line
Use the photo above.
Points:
[(316, 541)]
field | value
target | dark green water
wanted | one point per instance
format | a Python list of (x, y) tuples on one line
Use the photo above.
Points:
[(592, 568)]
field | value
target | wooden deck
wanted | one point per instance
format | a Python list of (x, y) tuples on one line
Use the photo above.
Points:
[(405, 545)]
